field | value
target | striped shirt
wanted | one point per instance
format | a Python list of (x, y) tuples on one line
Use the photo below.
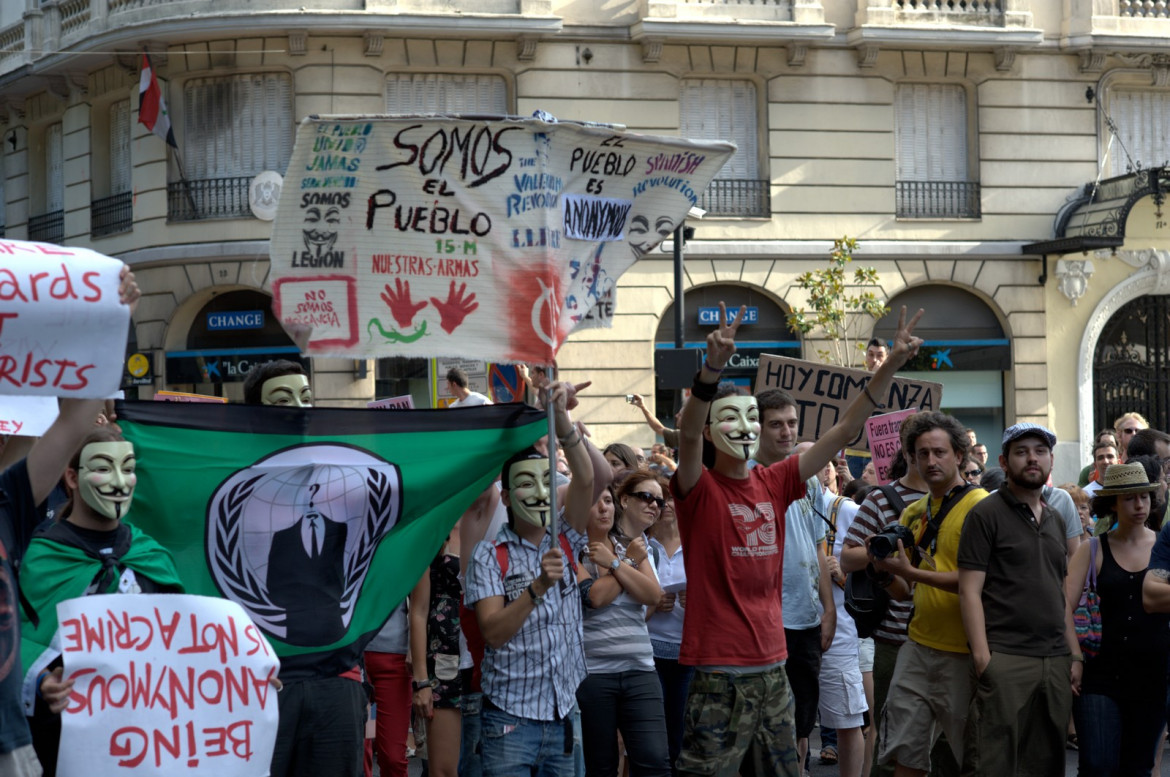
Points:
[(616, 637), (874, 515), (535, 674)]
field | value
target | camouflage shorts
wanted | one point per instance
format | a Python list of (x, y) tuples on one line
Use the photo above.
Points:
[(729, 715)]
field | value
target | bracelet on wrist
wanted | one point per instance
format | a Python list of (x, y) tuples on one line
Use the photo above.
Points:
[(710, 367), (704, 392), (566, 444), (876, 404)]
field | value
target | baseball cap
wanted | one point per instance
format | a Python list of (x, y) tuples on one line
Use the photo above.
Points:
[(1016, 431)]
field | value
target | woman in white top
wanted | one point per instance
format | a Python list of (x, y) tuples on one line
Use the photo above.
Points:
[(666, 622)]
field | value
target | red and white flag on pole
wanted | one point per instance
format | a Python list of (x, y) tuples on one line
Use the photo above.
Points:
[(152, 108)]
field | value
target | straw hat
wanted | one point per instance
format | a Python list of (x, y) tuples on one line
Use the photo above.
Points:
[(1123, 479)]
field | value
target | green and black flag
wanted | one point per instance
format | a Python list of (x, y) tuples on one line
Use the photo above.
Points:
[(317, 521)]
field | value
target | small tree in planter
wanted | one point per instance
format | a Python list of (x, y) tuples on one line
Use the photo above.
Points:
[(840, 317)]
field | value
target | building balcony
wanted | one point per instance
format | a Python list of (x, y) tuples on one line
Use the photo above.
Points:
[(1117, 25), (111, 215), (58, 30), (210, 198), (47, 227), (1000, 25), (740, 197), (938, 200), (740, 21)]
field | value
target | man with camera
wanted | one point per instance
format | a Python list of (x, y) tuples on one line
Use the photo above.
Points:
[(931, 687)]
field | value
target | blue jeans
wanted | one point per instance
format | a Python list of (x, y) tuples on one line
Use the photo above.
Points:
[(520, 746), (470, 760), (630, 702), (1117, 738), (676, 681)]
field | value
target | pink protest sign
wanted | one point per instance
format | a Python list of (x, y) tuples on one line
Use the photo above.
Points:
[(884, 443), (165, 683), (404, 402)]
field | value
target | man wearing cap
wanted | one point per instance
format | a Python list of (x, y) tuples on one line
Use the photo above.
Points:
[(1024, 650)]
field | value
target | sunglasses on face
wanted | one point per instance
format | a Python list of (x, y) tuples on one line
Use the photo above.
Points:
[(973, 473), (649, 498)]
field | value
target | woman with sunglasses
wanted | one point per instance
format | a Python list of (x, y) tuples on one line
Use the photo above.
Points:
[(666, 624), (618, 582)]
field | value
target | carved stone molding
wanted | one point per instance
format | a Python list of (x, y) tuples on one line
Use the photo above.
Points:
[(1092, 61), (298, 43), (1073, 275), (1004, 59), (797, 53), (373, 44), (58, 87), (867, 55), (526, 48), (651, 50)]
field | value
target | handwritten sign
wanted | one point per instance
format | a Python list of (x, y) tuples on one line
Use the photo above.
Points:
[(62, 329), (27, 416), (883, 431), (165, 684), (823, 392), (404, 402), (493, 240)]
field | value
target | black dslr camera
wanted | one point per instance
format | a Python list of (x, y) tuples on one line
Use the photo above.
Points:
[(885, 543)]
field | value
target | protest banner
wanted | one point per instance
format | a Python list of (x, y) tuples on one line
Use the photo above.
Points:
[(389, 487), (488, 239), (884, 443), (823, 391), (165, 684), (404, 402), (62, 328), (27, 416)]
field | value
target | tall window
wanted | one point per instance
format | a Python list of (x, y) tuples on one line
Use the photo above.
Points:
[(233, 128), (115, 212), (1142, 117), (120, 147), (54, 170), (445, 92), (717, 109), (49, 225), (933, 179)]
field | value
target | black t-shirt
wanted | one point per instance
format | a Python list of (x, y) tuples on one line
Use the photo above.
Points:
[(18, 517)]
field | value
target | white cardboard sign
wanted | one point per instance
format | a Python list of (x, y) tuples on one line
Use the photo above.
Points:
[(62, 328), (165, 684)]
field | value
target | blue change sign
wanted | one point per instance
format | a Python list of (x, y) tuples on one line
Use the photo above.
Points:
[(710, 316), (236, 319)]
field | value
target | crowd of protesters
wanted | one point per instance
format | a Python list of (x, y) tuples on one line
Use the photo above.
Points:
[(698, 608)]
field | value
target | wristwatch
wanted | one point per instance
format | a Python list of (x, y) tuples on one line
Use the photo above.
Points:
[(613, 565), (418, 685), (532, 592)]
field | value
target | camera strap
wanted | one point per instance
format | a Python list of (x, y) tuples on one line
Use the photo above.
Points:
[(929, 540)]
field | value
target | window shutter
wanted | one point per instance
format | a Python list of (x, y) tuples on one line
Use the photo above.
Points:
[(445, 93), (715, 109), (930, 132), (120, 147), (237, 126), (54, 164), (1142, 117)]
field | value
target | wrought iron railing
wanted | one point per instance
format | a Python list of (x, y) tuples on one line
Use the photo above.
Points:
[(47, 227), (938, 200), (736, 197), (210, 198), (111, 215)]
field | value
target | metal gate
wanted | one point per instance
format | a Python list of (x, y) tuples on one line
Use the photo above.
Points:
[(1131, 368)]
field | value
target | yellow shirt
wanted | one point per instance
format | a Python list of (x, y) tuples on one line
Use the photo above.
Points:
[(937, 621)]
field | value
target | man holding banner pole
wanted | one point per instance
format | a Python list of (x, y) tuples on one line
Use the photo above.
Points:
[(529, 610), (730, 516)]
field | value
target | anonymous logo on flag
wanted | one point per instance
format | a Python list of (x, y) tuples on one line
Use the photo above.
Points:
[(291, 537)]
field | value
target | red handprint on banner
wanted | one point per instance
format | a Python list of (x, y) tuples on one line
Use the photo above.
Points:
[(398, 300), (456, 308)]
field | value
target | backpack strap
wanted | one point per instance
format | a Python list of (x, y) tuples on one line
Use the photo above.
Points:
[(502, 558), (568, 551), (893, 499)]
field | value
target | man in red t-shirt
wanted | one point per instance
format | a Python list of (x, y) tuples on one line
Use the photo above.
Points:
[(729, 518)]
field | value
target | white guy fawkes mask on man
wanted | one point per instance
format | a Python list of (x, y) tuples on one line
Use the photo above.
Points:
[(106, 479), (287, 391), (735, 426), (528, 491)]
